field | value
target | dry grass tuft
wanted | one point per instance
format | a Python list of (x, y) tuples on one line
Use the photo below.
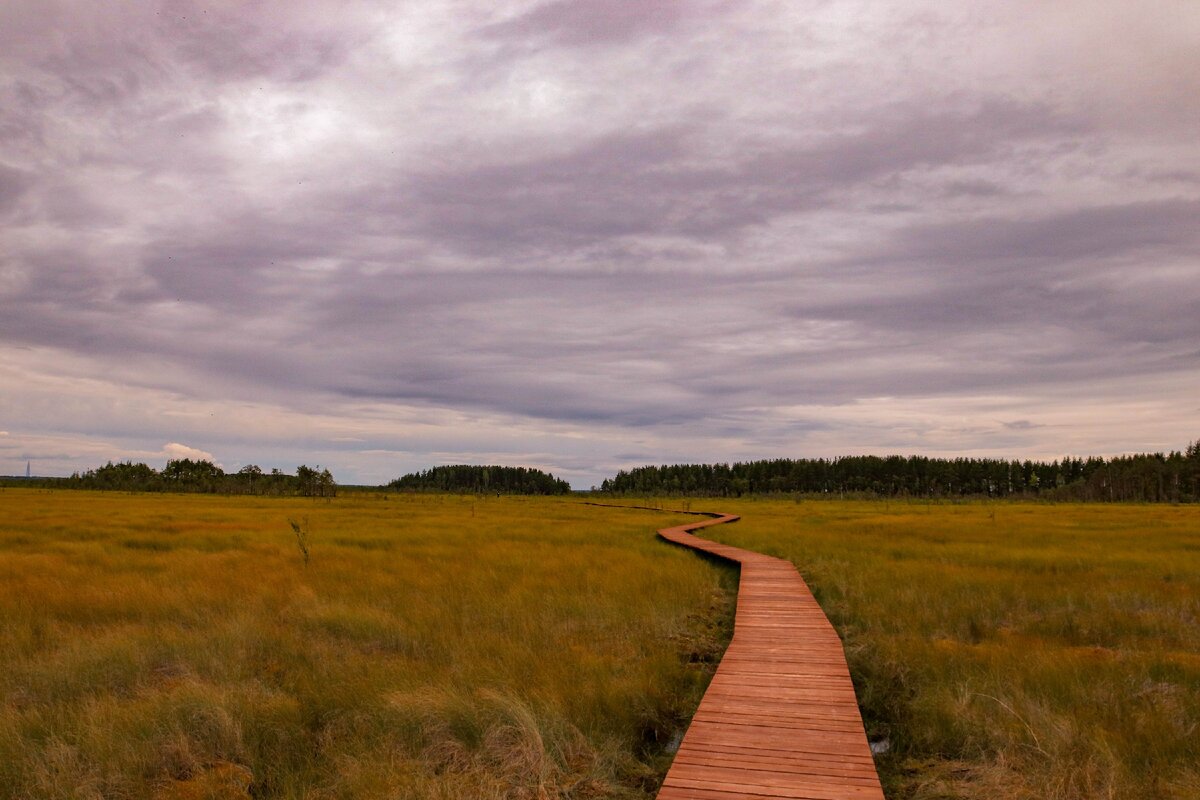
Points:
[(219, 781)]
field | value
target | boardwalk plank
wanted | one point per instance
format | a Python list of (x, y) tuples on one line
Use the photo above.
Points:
[(779, 719)]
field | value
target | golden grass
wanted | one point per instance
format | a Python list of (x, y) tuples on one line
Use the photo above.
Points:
[(1009, 650), (175, 646)]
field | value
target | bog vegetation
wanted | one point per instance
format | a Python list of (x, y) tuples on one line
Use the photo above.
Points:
[(175, 646), (1009, 650), (445, 646)]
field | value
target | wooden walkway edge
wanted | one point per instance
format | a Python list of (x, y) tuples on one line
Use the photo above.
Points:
[(780, 718)]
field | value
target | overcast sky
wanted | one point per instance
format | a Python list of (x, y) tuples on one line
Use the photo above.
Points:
[(585, 235)]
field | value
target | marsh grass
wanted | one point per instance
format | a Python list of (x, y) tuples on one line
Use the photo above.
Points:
[(1009, 650), (176, 646)]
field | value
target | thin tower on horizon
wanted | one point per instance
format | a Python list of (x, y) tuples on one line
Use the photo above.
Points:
[(28, 469)]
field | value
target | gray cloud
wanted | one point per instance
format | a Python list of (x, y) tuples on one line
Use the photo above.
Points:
[(658, 182), (228, 45), (1098, 233), (583, 22), (590, 234), (13, 184)]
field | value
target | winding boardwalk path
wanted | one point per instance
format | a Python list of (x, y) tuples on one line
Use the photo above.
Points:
[(780, 718)]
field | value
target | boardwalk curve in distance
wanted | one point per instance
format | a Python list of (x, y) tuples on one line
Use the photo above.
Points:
[(780, 719)]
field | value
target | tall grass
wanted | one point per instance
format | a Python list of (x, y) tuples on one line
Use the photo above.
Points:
[(1009, 650), (175, 647), (434, 647)]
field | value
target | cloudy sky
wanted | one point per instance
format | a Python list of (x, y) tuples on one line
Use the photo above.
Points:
[(590, 234)]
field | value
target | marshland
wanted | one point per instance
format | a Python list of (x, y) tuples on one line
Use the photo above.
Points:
[(436, 645), (433, 646)]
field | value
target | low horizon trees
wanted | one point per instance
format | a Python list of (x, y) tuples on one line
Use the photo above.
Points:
[(1151, 477), (482, 479), (203, 476)]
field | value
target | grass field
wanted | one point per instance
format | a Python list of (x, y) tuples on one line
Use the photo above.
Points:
[(1009, 650), (176, 646), (444, 647)]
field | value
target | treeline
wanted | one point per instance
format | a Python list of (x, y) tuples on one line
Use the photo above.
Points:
[(187, 475), (1157, 477), (482, 480)]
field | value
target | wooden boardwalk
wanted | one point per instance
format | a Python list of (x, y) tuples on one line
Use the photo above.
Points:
[(780, 718)]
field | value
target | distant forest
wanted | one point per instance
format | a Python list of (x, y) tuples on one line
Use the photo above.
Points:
[(1157, 477), (480, 480), (1152, 477), (187, 475)]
